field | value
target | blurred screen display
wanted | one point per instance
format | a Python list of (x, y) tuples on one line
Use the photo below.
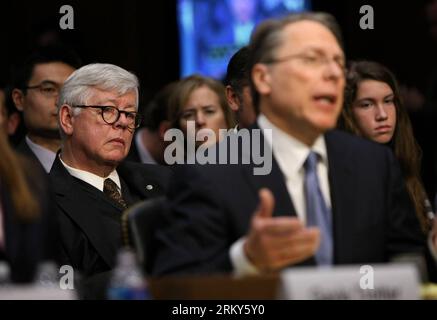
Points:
[(211, 31)]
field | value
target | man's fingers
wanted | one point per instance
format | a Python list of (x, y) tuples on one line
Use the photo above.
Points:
[(288, 243), (299, 251), (266, 203), (280, 226)]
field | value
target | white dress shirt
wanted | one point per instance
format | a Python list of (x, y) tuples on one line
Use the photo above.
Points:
[(44, 155), (92, 179), (290, 155)]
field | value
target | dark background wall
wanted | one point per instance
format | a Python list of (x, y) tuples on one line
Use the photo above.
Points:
[(400, 39), (142, 35)]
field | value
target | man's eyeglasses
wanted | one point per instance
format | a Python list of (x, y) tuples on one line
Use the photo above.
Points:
[(47, 88), (111, 115), (312, 60)]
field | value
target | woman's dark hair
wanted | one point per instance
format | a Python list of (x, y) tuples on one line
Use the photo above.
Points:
[(403, 143)]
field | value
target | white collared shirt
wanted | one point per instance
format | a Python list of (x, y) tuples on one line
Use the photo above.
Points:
[(91, 178), (44, 155), (290, 155)]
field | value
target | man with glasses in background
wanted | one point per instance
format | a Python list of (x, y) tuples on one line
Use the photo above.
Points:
[(36, 87), (97, 118)]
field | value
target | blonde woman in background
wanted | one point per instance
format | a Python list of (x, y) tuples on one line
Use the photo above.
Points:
[(203, 101)]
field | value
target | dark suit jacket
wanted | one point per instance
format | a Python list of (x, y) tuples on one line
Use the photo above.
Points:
[(212, 206), (30, 242), (89, 221), (24, 149)]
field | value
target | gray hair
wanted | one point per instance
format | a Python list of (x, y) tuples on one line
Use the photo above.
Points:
[(77, 89), (268, 36)]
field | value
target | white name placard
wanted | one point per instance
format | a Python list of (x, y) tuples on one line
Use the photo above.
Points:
[(361, 282)]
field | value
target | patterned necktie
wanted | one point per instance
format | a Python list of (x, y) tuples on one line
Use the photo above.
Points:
[(111, 190), (318, 214)]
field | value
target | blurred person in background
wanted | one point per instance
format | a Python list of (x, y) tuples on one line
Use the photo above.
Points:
[(28, 229), (238, 88), (201, 101), (11, 116), (148, 144), (36, 86)]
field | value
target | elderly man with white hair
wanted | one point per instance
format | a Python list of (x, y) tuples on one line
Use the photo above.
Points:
[(97, 117)]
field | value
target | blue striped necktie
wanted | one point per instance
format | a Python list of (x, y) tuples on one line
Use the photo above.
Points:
[(317, 212)]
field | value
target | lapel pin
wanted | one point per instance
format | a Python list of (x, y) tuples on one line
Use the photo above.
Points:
[(149, 187)]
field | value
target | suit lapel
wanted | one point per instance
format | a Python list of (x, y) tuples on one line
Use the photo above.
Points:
[(24, 149), (127, 195), (97, 217), (274, 181), (141, 186), (113, 209), (342, 191)]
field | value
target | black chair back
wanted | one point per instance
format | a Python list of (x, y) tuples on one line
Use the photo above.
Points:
[(143, 219)]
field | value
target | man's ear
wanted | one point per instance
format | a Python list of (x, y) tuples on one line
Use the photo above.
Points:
[(261, 78), (232, 97), (18, 98), (13, 122), (66, 119)]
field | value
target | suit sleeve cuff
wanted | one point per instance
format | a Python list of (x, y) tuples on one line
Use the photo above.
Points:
[(240, 263)]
